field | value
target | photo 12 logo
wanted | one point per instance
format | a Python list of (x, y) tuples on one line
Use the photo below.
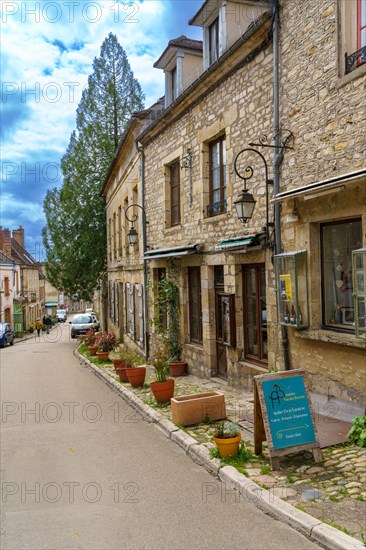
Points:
[(70, 11)]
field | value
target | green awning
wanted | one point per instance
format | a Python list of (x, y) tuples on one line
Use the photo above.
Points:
[(170, 252), (239, 242)]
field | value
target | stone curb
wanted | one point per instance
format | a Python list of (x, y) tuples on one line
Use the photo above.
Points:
[(328, 536)]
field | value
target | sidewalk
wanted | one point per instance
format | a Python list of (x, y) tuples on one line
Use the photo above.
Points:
[(332, 491)]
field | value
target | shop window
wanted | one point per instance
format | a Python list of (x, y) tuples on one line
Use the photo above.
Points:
[(338, 240), (359, 291), (195, 304), (292, 288), (217, 169), (174, 172), (255, 313)]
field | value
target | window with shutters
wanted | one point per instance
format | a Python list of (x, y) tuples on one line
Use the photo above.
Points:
[(140, 295), (217, 175), (131, 309), (125, 308)]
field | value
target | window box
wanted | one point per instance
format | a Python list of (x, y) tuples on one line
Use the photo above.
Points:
[(197, 408), (359, 292), (292, 289)]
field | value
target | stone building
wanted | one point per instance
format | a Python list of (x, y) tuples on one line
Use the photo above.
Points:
[(127, 272), (253, 299), (323, 185)]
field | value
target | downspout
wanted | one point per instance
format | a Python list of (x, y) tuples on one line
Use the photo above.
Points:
[(144, 249), (278, 157)]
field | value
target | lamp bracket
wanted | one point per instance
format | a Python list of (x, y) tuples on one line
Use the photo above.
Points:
[(286, 139), (186, 161)]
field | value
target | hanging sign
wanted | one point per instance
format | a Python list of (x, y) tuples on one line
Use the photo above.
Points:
[(283, 415)]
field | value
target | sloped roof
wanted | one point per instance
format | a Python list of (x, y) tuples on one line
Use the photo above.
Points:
[(177, 43), (7, 259), (20, 254)]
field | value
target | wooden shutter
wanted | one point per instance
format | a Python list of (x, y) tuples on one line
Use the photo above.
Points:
[(140, 293), (132, 310), (125, 303)]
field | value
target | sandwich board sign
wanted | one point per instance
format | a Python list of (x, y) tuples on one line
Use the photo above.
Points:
[(283, 415)]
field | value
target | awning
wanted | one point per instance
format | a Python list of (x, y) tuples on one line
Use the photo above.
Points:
[(239, 243), (171, 252), (51, 304), (321, 187)]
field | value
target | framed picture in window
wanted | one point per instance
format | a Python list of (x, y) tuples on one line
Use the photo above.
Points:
[(348, 316)]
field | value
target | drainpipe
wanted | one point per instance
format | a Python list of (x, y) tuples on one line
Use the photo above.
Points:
[(144, 249), (278, 157)]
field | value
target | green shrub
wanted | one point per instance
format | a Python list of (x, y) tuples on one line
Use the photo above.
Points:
[(357, 433)]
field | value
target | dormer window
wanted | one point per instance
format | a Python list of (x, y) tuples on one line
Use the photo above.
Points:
[(181, 61), (213, 32), (223, 23)]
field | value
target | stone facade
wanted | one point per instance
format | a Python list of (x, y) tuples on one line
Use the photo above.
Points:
[(325, 109), (232, 104)]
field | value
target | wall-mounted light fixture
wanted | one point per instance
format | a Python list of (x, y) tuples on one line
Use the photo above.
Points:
[(132, 235), (246, 202)]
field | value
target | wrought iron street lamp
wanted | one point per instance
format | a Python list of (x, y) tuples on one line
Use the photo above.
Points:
[(132, 235), (246, 202)]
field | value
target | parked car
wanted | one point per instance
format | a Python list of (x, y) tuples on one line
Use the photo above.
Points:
[(61, 315), (6, 334), (81, 323)]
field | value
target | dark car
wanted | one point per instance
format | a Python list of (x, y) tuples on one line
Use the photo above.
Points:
[(6, 334), (81, 323)]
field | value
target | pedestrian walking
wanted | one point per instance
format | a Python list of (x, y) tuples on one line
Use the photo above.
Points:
[(48, 323), (38, 325)]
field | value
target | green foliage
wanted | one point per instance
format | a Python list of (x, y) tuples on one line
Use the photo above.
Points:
[(167, 305), (357, 434), (106, 341), (226, 430), (75, 235), (265, 470), (31, 329)]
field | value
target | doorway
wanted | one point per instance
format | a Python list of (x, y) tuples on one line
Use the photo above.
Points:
[(255, 314)]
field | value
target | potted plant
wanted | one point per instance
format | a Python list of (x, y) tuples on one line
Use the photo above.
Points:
[(106, 342), (90, 341), (126, 361), (227, 438), (163, 387), (136, 376)]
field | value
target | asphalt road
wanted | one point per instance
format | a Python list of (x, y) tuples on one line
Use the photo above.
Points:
[(81, 469)]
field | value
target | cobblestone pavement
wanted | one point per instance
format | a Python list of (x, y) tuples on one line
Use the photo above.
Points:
[(333, 491)]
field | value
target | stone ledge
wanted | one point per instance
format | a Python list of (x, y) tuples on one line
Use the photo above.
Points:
[(201, 456), (182, 439), (331, 337), (334, 539)]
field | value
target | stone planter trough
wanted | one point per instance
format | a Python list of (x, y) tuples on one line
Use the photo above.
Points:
[(198, 407)]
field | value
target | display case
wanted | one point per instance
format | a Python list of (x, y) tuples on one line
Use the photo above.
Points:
[(359, 291), (292, 289)]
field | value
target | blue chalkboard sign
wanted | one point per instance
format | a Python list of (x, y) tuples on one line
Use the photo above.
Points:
[(288, 411)]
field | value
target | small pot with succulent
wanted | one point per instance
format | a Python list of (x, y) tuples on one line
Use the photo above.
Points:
[(227, 438), (106, 342)]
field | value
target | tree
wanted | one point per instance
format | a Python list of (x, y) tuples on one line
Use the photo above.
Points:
[(75, 235)]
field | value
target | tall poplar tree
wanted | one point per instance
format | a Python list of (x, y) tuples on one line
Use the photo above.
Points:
[(75, 235)]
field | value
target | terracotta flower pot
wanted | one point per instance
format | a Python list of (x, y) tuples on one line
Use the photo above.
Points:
[(103, 355), (163, 391), (228, 447), (136, 376), (177, 368), (118, 363), (121, 371), (93, 350)]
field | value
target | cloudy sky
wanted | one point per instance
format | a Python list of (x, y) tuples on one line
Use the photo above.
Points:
[(46, 56)]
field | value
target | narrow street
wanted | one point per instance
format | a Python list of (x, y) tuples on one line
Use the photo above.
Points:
[(80, 469)]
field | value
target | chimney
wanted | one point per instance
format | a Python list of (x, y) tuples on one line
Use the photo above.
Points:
[(7, 242), (18, 235)]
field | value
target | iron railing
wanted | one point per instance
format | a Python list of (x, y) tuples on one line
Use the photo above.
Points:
[(216, 208), (355, 59)]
